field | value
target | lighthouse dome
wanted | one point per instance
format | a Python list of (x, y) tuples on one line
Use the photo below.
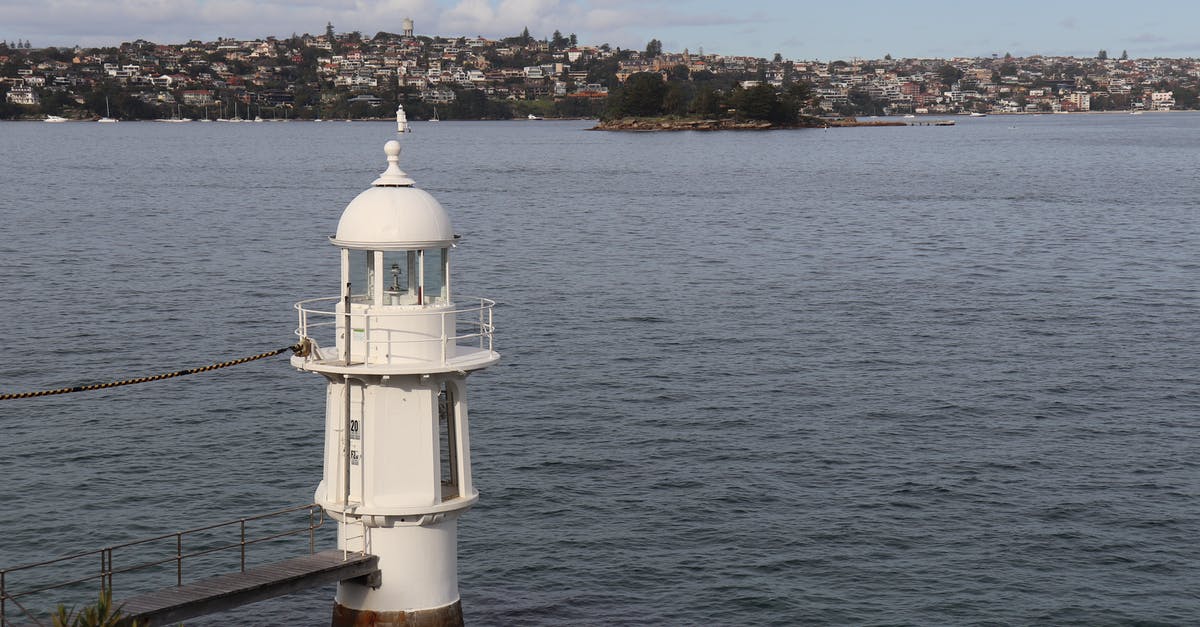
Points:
[(393, 215)]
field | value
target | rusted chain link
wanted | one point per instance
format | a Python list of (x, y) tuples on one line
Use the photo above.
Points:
[(300, 348)]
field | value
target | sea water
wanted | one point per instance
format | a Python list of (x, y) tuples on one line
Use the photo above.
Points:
[(922, 375)]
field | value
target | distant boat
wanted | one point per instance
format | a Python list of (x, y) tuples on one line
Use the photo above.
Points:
[(910, 116), (177, 117), (1135, 112), (976, 114), (435, 116), (106, 119), (535, 117), (54, 118)]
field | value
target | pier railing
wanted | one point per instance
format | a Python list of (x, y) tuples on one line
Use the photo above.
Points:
[(171, 553)]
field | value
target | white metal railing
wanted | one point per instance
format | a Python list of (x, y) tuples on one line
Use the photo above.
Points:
[(472, 325)]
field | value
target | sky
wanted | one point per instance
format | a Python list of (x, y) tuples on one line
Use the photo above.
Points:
[(800, 30)]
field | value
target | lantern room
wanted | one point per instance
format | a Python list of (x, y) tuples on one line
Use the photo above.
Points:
[(396, 305), (395, 242)]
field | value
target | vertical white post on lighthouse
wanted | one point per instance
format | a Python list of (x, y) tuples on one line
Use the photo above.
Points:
[(398, 348)]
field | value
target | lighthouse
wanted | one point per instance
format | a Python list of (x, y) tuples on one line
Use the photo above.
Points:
[(395, 347)]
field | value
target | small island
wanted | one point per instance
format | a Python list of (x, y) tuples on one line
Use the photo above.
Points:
[(646, 102), (648, 124)]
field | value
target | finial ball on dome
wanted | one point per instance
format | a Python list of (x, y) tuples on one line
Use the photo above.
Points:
[(392, 148)]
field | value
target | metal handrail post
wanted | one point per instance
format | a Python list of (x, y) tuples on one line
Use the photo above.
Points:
[(179, 559), (366, 338), (243, 521), (103, 568)]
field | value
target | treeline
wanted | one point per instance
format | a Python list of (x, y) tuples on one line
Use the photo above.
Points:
[(647, 94)]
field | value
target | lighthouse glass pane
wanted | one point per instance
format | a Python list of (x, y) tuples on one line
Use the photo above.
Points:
[(362, 276), (435, 276), (396, 277)]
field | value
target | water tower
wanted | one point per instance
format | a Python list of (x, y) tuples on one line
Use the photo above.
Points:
[(408, 27), (399, 345)]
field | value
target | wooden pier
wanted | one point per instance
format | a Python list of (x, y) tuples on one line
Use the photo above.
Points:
[(216, 594)]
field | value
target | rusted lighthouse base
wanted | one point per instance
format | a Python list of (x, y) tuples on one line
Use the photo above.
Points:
[(448, 616)]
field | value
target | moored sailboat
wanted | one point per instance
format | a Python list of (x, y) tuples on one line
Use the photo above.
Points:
[(107, 113)]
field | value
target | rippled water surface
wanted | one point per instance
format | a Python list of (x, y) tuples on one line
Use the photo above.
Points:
[(935, 375)]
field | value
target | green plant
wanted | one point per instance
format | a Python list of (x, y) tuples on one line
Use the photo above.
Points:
[(100, 614)]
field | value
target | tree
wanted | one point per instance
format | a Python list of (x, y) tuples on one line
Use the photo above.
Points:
[(796, 96), (1185, 98), (778, 57), (641, 95), (574, 41), (1102, 55), (761, 102), (1124, 55), (705, 103), (653, 48), (557, 41), (526, 38), (949, 74), (676, 100)]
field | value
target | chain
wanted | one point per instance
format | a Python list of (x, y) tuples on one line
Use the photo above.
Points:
[(300, 348)]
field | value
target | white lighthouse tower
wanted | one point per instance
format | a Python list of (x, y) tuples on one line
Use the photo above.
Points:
[(396, 347)]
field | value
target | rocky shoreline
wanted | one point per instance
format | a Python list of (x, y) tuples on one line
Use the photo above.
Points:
[(693, 124)]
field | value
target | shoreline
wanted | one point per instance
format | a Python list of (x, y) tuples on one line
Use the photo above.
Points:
[(652, 125), (680, 124)]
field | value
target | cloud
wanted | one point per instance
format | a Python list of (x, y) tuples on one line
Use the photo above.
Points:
[(1069, 23), (595, 21), (1146, 38), (88, 23), (508, 17), (469, 13), (625, 23)]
